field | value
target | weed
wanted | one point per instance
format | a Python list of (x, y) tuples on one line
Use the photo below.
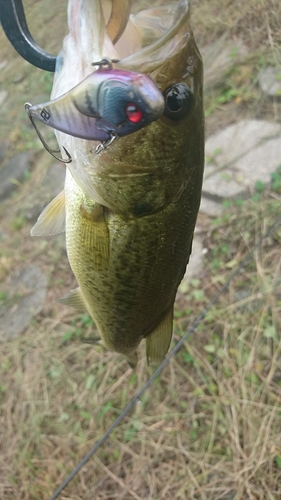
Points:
[(18, 222), (276, 180)]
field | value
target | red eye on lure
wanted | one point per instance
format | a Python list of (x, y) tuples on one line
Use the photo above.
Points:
[(134, 113)]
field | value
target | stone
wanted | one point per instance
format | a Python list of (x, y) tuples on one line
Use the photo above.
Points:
[(196, 259), (219, 58), (3, 96), (3, 151), (222, 185), (210, 207), (51, 186), (236, 140), (3, 64), (258, 164), (270, 81), (3, 235), (13, 173), (26, 294), (237, 157), (53, 181)]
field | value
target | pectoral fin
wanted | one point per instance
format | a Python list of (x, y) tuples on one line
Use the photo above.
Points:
[(52, 219), (95, 237), (74, 299), (158, 341)]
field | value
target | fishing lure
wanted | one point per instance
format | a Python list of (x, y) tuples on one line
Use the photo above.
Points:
[(109, 103)]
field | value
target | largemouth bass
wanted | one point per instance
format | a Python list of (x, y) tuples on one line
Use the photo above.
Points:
[(129, 213)]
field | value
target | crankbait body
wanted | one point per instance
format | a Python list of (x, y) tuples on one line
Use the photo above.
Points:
[(108, 102)]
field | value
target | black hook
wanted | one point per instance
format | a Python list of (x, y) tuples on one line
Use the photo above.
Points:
[(14, 25)]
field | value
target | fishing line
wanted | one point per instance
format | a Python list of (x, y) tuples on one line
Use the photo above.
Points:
[(164, 363)]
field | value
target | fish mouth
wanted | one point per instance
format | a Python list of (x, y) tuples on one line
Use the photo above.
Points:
[(158, 36), (152, 27)]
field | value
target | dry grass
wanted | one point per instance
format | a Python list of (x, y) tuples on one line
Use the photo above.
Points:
[(256, 22), (209, 428)]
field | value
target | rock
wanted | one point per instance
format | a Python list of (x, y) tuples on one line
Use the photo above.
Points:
[(32, 213), (26, 295), (196, 260), (210, 207), (221, 185), (236, 140), (3, 96), (219, 58), (270, 81), (51, 186), (237, 157), (13, 172), (3, 151), (3, 64), (3, 235), (258, 164), (53, 181)]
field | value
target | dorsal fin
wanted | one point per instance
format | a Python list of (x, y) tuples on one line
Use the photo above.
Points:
[(74, 299), (158, 341), (52, 219)]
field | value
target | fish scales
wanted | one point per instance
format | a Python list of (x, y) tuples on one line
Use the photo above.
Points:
[(134, 288), (131, 211)]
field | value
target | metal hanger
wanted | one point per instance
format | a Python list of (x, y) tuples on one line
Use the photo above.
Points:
[(15, 27)]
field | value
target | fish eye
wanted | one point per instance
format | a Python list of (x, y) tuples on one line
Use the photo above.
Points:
[(134, 113), (178, 101)]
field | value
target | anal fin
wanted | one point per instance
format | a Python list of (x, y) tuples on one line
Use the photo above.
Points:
[(52, 219), (158, 341), (74, 299)]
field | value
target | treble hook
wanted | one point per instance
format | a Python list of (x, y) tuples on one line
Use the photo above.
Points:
[(105, 144), (51, 151)]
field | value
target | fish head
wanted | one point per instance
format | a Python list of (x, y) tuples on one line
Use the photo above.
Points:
[(159, 44)]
